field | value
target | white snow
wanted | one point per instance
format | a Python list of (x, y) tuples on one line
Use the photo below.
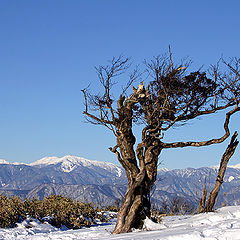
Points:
[(69, 163), (46, 161), (230, 178), (234, 166), (119, 171), (2, 161), (237, 166), (163, 170), (224, 224)]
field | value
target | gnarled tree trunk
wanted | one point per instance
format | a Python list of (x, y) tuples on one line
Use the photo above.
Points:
[(136, 206)]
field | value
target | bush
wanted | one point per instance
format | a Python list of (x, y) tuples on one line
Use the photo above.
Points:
[(11, 211), (59, 210), (56, 210)]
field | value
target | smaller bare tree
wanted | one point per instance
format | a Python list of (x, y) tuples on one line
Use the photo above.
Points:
[(208, 207)]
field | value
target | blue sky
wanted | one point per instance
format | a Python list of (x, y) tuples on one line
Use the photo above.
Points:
[(48, 50)]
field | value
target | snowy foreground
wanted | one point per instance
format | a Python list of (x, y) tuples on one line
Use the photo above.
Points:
[(223, 224)]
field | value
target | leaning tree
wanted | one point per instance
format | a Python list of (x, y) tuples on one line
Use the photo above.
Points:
[(170, 96)]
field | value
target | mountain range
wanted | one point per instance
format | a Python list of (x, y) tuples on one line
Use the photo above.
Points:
[(105, 183)]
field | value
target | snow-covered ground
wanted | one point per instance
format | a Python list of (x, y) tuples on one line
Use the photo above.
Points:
[(224, 224)]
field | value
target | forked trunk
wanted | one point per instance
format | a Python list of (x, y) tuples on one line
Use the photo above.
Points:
[(135, 208)]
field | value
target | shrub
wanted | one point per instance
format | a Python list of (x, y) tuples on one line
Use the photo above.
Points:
[(11, 211), (55, 209), (59, 210), (34, 208)]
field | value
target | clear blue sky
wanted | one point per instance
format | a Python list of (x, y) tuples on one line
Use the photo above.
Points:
[(48, 50)]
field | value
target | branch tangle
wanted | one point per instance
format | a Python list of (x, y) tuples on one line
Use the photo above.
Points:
[(171, 99)]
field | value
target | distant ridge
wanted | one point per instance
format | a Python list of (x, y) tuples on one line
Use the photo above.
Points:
[(65, 170), (3, 161), (105, 182), (76, 160)]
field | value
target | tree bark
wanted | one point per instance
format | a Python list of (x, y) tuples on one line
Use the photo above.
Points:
[(135, 208)]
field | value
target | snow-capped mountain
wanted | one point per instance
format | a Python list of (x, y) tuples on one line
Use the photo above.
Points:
[(2, 161), (69, 163), (235, 166), (105, 182), (65, 170)]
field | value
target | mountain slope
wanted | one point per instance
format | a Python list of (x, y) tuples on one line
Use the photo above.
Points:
[(98, 194), (188, 183), (65, 170), (105, 182)]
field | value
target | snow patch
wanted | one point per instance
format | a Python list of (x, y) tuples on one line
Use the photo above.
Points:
[(68, 166), (149, 225), (2, 161), (119, 172), (235, 166), (163, 169), (46, 161), (230, 178)]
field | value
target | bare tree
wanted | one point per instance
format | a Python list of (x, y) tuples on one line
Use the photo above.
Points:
[(170, 97), (208, 207)]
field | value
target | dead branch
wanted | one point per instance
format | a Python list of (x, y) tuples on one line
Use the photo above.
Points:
[(208, 142)]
